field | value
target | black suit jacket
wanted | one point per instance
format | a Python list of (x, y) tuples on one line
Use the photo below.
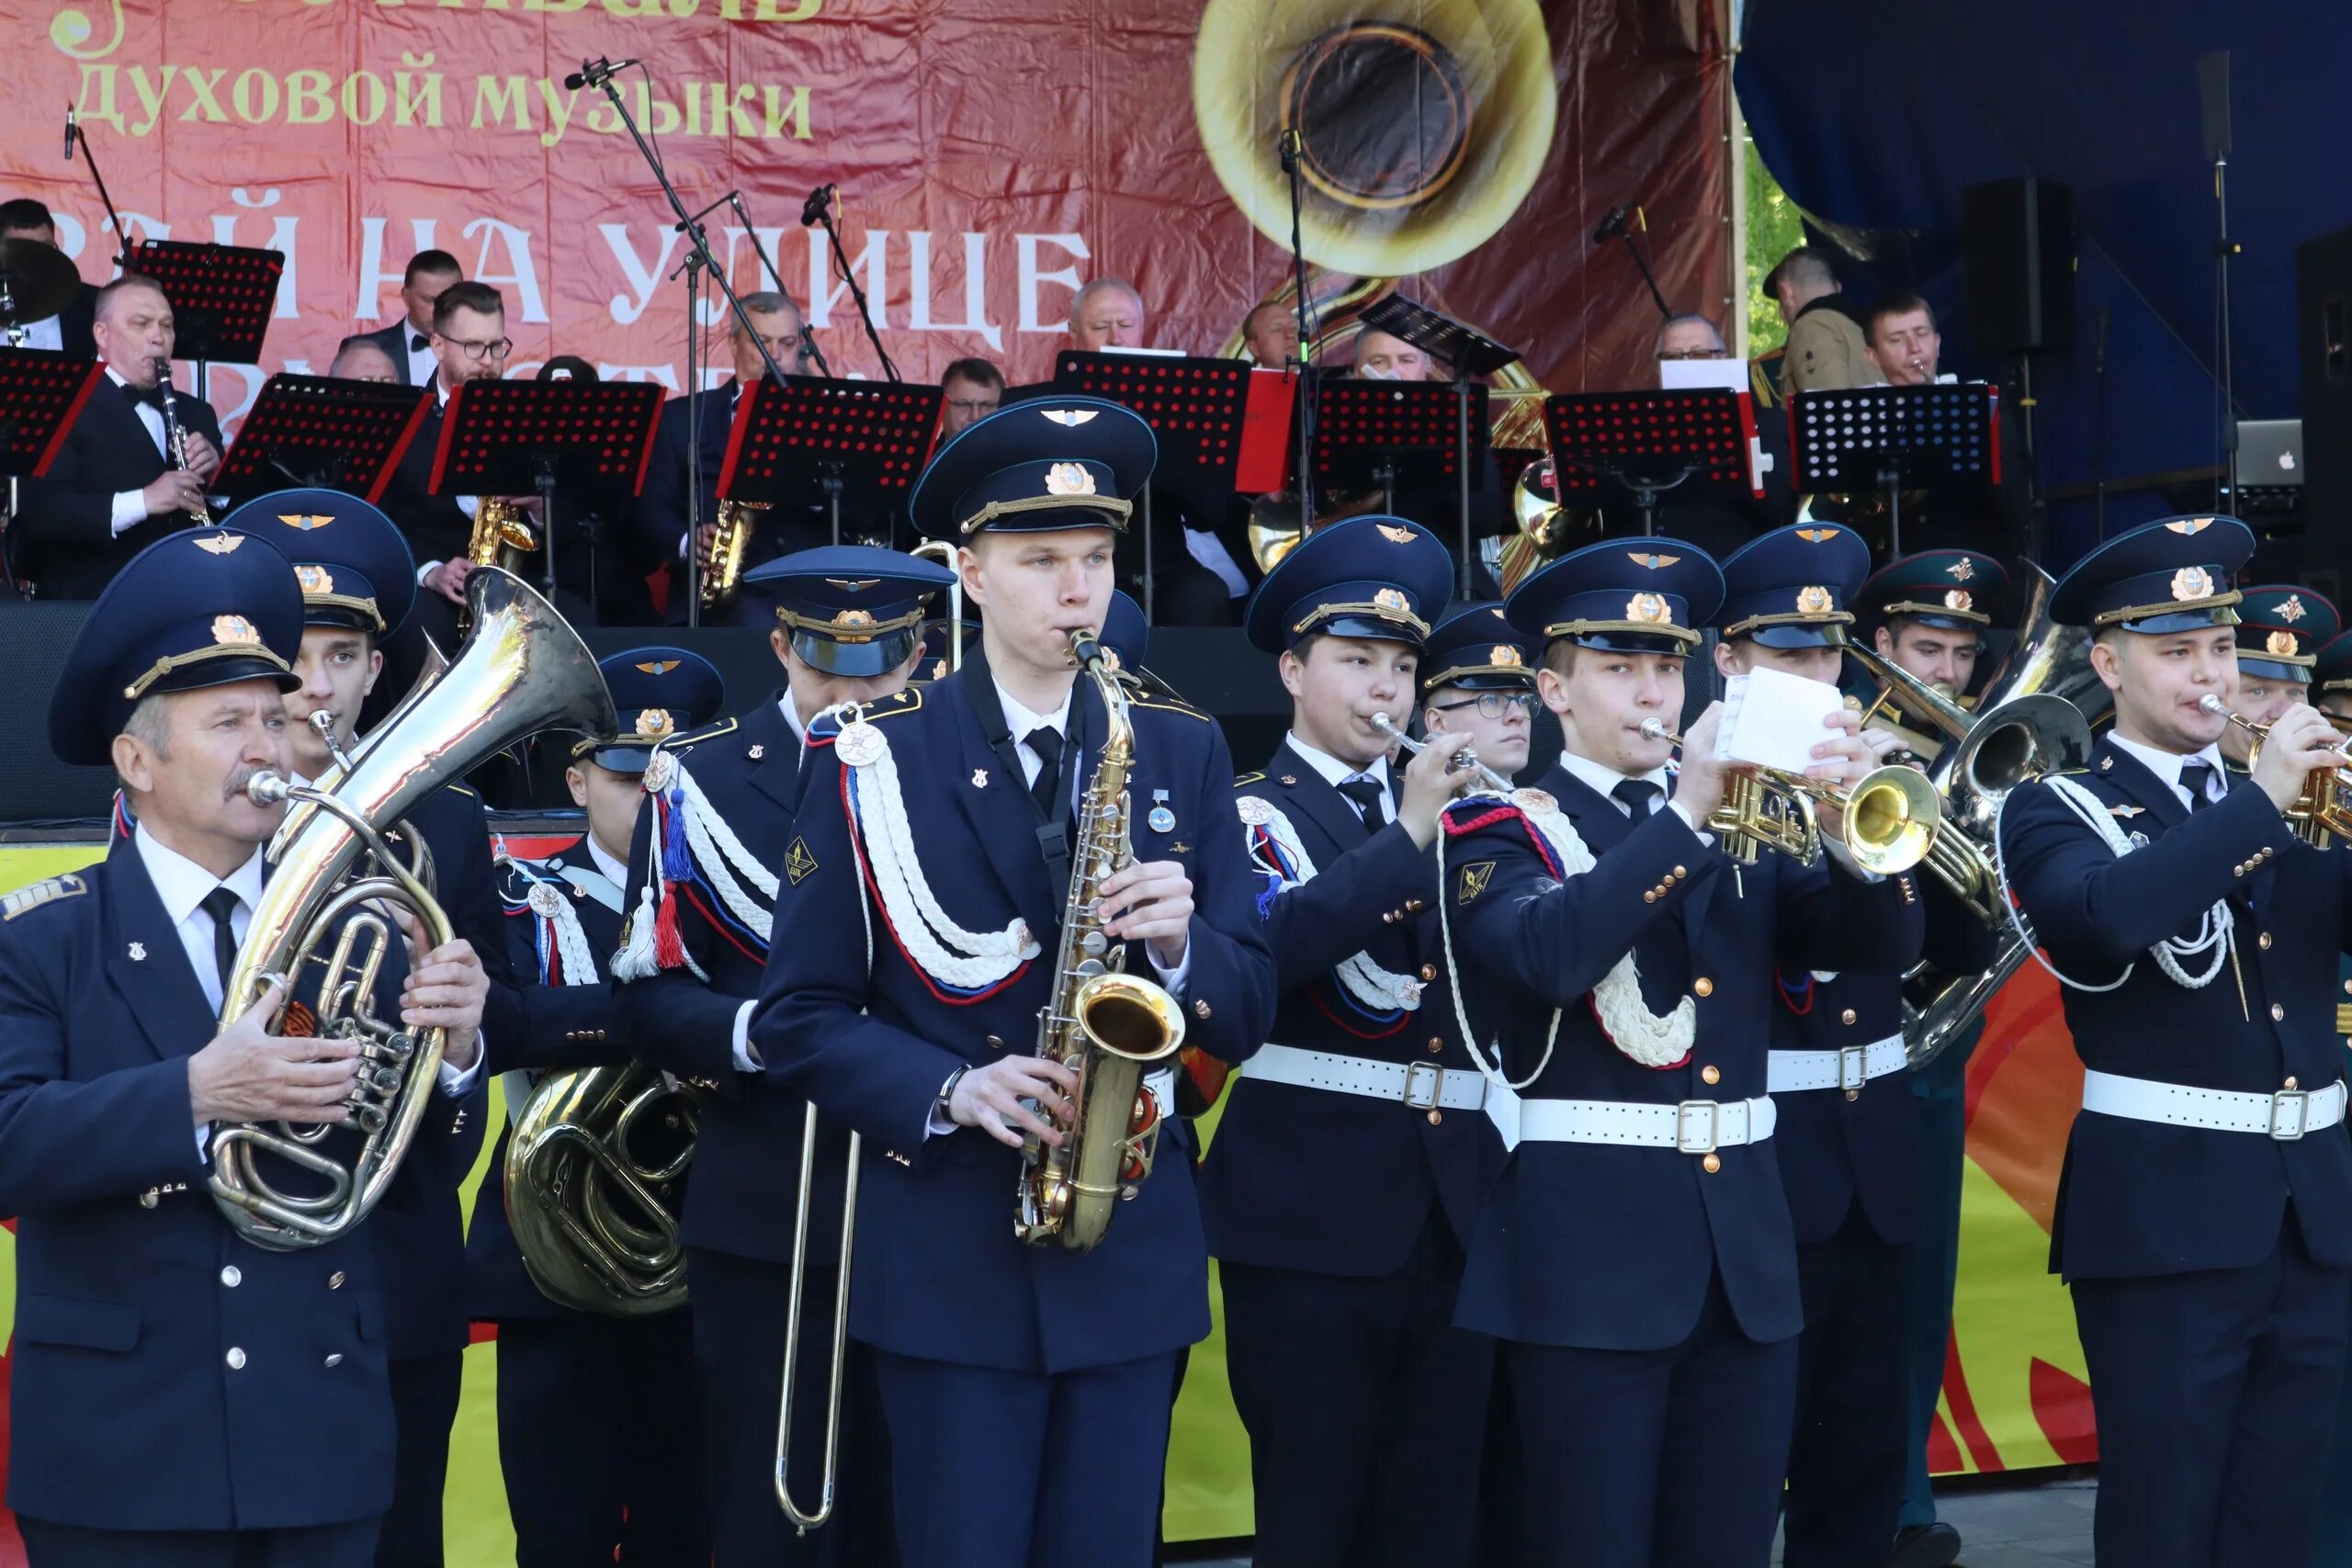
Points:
[(393, 339), (65, 541), (74, 322)]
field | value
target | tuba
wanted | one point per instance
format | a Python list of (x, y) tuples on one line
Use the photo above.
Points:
[(725, 568), (521, 671), (1104, 1024), (593, 1213)]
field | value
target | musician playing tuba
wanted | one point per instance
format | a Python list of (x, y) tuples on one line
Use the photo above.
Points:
[(1026, 1386), (137, 1295)]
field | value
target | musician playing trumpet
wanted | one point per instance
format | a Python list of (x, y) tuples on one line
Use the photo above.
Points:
[(2204, 1220), (1624, 963), (2280, 628)]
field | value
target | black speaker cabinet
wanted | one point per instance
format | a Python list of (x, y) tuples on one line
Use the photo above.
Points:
[(2323, 345), (2019, 236)]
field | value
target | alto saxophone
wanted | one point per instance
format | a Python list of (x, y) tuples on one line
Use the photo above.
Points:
[(724, 568), (176, 436), (1104, 1024)]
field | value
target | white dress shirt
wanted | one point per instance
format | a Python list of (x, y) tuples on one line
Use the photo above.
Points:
[(1602, 778), (2167, 766), (48, 332), (421, 362), (1209, 551), (130, 505), (1335, 773), (614, 870), (466, 504)]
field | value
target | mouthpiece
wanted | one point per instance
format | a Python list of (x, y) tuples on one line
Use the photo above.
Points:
[(267, 789), (1655, 729), (2213, 705)]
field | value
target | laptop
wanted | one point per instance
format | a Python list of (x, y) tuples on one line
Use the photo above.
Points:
[(2270, 454)]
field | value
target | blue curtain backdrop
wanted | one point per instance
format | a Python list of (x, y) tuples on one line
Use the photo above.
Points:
[(1875, 115)]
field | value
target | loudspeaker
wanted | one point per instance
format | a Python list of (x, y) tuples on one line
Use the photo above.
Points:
[(2019, 237), (2323, 345)]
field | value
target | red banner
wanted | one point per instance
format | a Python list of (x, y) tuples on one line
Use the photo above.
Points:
[(992, 155)]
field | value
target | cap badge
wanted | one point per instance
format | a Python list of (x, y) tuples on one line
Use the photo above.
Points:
[(1816, 535), (304, 522), (1960, 599), (1961, 571), (1396, 536), (853, 617), (221, 542), (1069, 479), (654, 723), (314, 579), (2191, 525), (233, 629), (1649, 608), (1654, 563), (2292, 610), (2282, 644), (853, 584), (1392, 599), (2191, 581), (1072, 417), (659, 666), (1503, 653), (1815, 600)]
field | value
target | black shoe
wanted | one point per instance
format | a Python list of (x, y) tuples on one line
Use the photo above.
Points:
[(1925, 1546)]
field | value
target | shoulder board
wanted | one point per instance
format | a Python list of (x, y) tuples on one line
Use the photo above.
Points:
[(72, 885), (900, 702), (456, 788), (1245, 780), (695, 737), (1187, 709)]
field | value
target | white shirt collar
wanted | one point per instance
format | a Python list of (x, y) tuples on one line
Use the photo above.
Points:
[(1602, 778), (791, 711), (2168, 765), (183, 884), (1332, 769), (614, 870), (1021, 719)]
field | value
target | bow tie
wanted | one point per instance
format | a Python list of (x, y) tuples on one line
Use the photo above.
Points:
[(152, 396), (417, 341)]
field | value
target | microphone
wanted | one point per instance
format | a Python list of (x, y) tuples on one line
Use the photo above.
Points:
[(69, 133), (1288, 144), (1613, 223), (596, 73), (812, 211)]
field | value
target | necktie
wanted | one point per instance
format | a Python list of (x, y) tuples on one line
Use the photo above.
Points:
[(1365, 795), (2196, 778), (417, 341), (221, 904), (152, 396), (1636, 795), (1047, 742)]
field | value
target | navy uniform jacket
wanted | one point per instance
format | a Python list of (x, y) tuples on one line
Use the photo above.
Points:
[(1837, 1153), (1612, 1247), (1334, 1183), (572, 1026), (747, 1143), (872, 1039), (2145, 1198), (167, 1374)]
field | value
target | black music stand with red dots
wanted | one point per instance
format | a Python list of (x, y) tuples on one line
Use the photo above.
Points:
[(809, 440), (1695, 441), (1196, 408), (221, 297), (1369, 434), (1943, 437), (318, 432), (516, 438), (41, 393)]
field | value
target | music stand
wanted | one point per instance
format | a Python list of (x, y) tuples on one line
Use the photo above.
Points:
[(804, 441), (1268, 422), (221, 297), (318, 432), (1647, 443), (1368, 432), (1471, 353), (1941, 436), (510, 437), (1195, 408), (40, 394)]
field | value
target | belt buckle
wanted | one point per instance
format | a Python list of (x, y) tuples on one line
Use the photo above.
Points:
[(2302, 1100), (1436, 1090), (1683, 1113), (1853, 1066)]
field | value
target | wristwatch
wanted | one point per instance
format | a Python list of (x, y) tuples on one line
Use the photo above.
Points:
[(946, 1095)]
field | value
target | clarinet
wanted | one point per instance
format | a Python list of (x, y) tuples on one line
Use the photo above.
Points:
[(176, 436)]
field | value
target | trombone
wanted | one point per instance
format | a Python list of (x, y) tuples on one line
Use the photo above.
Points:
[(1466, 760), (1891, 817), (2322, 812)]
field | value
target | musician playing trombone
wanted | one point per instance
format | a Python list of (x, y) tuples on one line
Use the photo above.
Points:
[(1847, 1139), (2204, 1219), (1635, 1255)]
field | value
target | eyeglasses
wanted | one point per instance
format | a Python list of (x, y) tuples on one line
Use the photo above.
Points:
[(973, 405), (1493, 704), (496, 348), (785, 347), (1692, 353)]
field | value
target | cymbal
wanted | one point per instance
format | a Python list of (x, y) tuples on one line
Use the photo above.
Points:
[(36, 281)]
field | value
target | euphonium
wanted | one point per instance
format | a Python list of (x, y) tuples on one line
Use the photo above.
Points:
[(1104, 1025), (521, 670), (1890, 816), (2322, 812), (593, 1213), (724, 568)]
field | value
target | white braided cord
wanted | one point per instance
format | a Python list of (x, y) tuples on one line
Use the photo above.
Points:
[(1375, 987), (719, 855), (2215, 931), (571, 940)]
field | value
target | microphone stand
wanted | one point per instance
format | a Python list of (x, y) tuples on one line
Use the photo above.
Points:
[(1665, 313), (841, 265), (1305, 394), (752, 232), (600, 76), (122, 240), (2224, 249)]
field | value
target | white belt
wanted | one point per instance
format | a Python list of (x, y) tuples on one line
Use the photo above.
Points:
[(2283, 1117), (1161, 1084), (1848, 1067), (1693, 1127), (1417, 1085)]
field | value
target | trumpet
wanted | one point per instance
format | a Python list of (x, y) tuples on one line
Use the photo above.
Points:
[(1466, 760), (1890, 817), (2322, 812)]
